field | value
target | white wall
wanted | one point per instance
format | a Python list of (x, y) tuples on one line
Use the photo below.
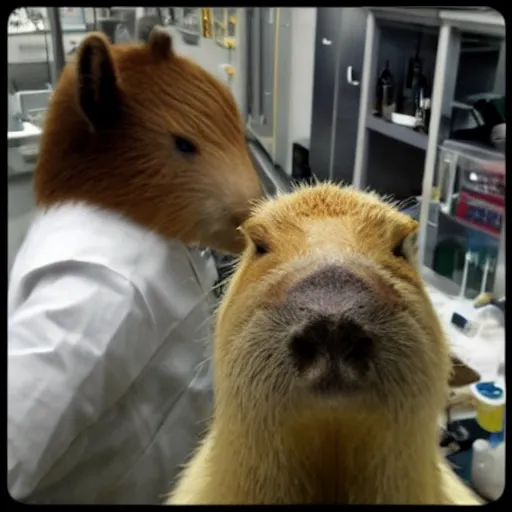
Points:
[(211, 56), (302, 70)]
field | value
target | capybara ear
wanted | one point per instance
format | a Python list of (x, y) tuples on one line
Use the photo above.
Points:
[(462, 375), (160, 44), (98, 92)]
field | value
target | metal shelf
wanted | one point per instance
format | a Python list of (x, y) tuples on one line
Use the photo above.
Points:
[(397, 132), (485, 20)]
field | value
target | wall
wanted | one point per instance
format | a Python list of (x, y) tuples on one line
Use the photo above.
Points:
[(301, 83), (211, 56)]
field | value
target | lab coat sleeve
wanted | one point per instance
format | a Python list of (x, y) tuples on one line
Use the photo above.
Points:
[(75, 344)]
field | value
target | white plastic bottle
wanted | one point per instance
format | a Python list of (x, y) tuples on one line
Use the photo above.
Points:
[(488, 469)]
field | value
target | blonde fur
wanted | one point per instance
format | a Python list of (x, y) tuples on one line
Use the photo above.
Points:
[(271, 440)]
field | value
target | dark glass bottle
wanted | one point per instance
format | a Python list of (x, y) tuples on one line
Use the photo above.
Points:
[(419, 85), (385, 90)]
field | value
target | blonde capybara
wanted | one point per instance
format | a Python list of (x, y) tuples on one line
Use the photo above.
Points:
[(331, 369), (141, 131)]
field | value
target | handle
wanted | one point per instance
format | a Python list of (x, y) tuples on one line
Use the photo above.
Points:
[(350, 80), (326, 42)]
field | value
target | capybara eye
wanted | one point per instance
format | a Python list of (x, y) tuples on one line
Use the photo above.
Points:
[(398, 251), (260, 248), (184, 146)]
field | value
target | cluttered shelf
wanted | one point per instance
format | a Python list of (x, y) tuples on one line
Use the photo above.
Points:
[(397, 132)]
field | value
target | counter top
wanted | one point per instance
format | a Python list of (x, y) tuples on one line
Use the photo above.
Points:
[(29, 130), (485, 351), (28, 134)]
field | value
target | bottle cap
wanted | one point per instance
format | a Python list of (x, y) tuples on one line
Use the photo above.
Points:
[(480, 445), (489, 390), (489, 393)]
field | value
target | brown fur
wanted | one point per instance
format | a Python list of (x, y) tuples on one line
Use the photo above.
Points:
[(462, 375), (109, 141), (274, 441)]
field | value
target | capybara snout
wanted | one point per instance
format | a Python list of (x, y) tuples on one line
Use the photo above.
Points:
[(327, 300), (330, 346)]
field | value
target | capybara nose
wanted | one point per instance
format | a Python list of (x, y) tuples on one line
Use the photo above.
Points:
[(339, 341), (330, 344)]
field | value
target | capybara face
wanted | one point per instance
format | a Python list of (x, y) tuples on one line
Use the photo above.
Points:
[(326, 306), (138, 129)]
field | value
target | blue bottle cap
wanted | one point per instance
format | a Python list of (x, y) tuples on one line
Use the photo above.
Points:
[(489, 390)]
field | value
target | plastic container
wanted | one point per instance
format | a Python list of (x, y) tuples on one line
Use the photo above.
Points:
[(471, 182), (490, 406), (488, 469), (475, 169), (403, 120), (479, 213)]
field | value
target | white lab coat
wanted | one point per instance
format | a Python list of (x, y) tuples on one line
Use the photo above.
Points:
[(109, 381)]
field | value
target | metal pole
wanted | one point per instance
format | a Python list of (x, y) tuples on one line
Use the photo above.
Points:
[(500, 272), (256, 63), (366, 97), (55, 28), (442, 94)]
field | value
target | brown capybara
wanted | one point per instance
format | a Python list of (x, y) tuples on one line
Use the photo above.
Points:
[(330, 366), (148, 134), (143, 154)]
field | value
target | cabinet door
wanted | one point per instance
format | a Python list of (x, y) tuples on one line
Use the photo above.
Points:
[(326, 51), (347, 98)]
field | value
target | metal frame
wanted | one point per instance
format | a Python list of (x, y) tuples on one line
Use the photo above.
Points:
[(480, 20), (282, 82), (499, 81), (369, 73), (255, 59), (445, 76), (241, 62), (500, 274), (334, 119), (59, 55), (261, 127), (273, 135)]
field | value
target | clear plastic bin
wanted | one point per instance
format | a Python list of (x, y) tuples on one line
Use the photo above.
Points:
[(464, 244), (472, 184)]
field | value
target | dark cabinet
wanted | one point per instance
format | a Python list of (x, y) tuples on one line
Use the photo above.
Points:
[(324, 81), (339, 49)]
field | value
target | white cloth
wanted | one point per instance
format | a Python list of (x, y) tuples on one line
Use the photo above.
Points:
[(109, 381)]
